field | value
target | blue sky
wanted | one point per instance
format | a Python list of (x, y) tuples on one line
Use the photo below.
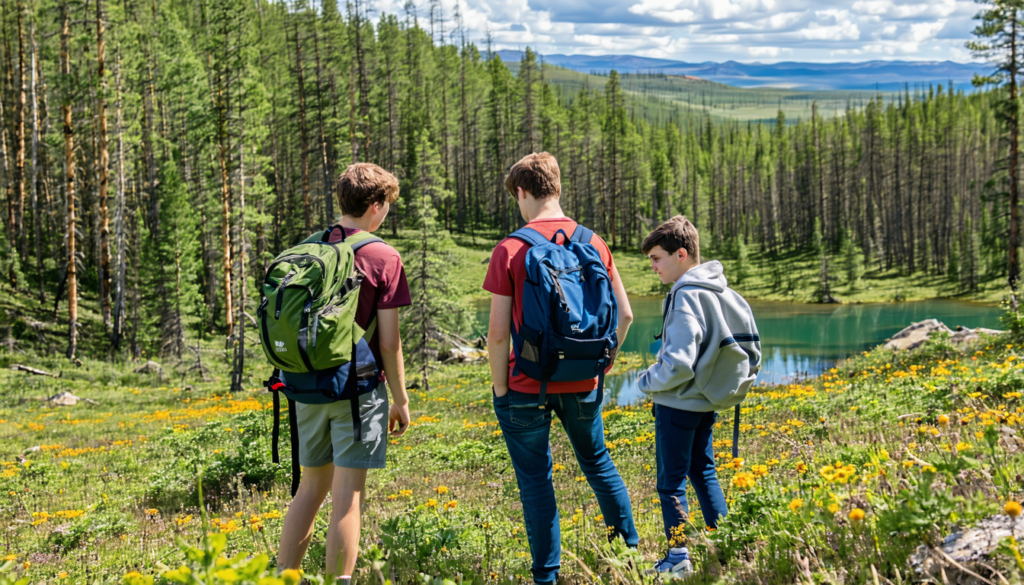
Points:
[(720, 30)]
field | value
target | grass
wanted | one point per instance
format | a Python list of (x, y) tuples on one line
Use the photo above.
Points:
[(108, 492), (831, 469)]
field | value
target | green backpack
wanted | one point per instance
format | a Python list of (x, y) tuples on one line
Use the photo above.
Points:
[(310, 296)]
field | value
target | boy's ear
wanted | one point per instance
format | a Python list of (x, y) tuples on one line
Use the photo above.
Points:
[(681, 253)]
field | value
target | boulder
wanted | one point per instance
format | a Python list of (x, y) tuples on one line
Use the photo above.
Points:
[(150, 367), (967, 552), (915, 335), (67, 399)]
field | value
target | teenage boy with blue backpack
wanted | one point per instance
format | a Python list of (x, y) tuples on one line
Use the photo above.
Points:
[(340, 439), (558, 302), (709, 356)]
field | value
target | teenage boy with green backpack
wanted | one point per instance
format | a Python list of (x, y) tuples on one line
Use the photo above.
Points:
[(339, 439), (559, 313)]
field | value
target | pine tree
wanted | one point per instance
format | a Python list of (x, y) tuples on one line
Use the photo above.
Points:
[(172, 259), (742, 267), (824, 293), (434, 311), (1000, 34), (853, 260)]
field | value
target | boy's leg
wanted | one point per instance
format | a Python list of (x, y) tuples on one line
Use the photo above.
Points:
[(580, 413), (298, 522), (526, 429), (315, 455), (702, 472), (351, 461), (343, 534), (673, 440)]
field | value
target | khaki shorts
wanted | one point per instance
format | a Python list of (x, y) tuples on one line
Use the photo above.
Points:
[(326, 434)]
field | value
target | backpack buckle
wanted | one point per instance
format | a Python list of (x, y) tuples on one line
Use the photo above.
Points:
[(274, 384), (561, 355)]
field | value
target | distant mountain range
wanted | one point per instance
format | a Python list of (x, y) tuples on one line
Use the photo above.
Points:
[(880, 75)]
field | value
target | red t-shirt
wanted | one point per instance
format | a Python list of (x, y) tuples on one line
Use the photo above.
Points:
[(384, 285), (506, 274)]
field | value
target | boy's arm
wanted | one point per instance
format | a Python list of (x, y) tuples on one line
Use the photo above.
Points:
[(498, 339), (394, 368), (683, 335), (625, 311)]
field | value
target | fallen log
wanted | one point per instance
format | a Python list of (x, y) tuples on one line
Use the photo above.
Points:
[(30, 370)]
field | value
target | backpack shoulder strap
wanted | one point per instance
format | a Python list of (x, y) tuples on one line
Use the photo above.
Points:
[(325, 236), (529, 236), (371, 240), (321, 236), (582, 235)]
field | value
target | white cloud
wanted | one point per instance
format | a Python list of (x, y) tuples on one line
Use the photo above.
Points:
[(717, 30), (764, 51)]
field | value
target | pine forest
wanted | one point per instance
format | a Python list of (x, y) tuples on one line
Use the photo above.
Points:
[(156, 156)]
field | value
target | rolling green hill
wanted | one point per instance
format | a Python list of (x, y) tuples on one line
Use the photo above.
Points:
[(659, 97)]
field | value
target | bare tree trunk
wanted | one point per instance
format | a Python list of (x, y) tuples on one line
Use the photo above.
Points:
[(1014, 243), (19, 141), (69, 162), (303, 134), (324, 159), (104, 162), (36, 218), (120, 264), (222, 139), (239, 361), (364, 88), (9, 195)]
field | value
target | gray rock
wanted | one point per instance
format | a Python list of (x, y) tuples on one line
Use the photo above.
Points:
[(915, 335), (968, 549), (150, 367)]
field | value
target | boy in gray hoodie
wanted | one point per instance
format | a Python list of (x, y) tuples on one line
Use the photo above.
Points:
[(709, 357)]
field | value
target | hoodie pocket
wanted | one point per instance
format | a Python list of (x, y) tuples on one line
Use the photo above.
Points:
[(731, 377)]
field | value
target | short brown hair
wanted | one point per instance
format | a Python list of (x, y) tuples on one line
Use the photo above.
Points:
[(362, 185), (673, 234), (537, 174)]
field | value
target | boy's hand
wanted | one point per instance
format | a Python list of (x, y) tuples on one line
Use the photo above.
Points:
[(398, 419)]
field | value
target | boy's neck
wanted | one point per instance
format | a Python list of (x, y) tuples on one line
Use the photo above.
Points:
[(352, 223), (549, 208)]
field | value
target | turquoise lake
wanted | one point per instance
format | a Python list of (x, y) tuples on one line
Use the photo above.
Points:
[(799, 340)]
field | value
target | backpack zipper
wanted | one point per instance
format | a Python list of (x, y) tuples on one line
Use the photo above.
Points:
[(323, 268), (280, 295), (337, 253)]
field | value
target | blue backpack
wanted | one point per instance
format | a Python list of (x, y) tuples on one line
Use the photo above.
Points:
[(569, 311)]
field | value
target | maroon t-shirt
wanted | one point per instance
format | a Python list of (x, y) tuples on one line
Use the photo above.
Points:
[(384, 285)]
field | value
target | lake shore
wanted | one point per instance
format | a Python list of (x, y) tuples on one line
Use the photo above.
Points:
[(793, 276)]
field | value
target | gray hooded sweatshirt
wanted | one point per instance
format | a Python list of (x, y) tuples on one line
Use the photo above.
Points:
[(711, 351)]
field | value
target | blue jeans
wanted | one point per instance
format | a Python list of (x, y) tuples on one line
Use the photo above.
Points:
[(683, 448), (526, 428)]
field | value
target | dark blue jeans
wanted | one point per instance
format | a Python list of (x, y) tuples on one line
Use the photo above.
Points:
[(526, 428), (683, 448)]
